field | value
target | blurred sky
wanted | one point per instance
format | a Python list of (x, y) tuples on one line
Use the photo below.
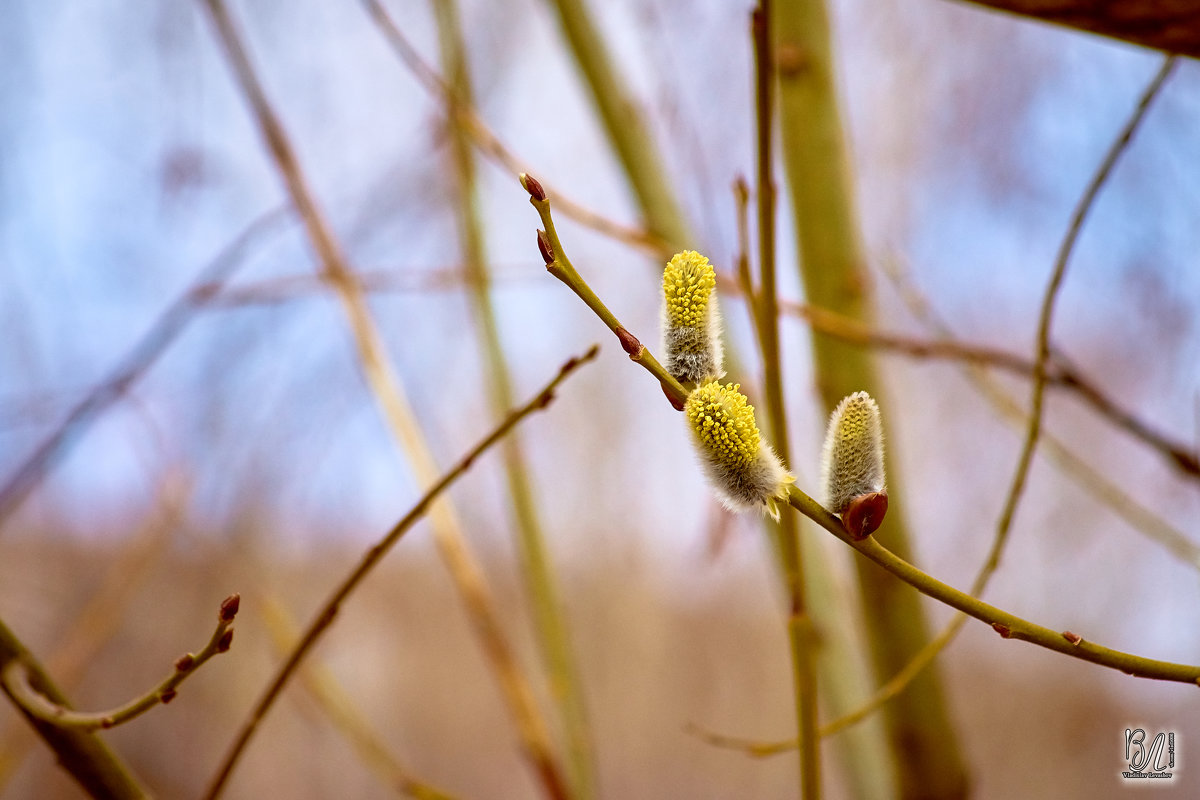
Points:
[(128, 160)]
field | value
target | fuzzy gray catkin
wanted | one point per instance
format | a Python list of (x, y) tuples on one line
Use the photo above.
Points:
[(852, 471)]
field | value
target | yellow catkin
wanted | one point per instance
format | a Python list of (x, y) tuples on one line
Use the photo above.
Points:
[(743, 471), (691, 319)]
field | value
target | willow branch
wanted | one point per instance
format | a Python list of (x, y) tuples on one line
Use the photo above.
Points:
[(21, 684), (1008, 625), (165, 329), (491, 145), (329, 608), (456, 555)]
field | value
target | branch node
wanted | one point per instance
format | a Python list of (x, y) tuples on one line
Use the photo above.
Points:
[(1073, 638), (630, 343), (185, 662), (1002, 629), (167, 696), (226, 641)]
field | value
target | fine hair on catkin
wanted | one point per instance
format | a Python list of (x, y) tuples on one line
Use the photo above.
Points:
[(852, 457)]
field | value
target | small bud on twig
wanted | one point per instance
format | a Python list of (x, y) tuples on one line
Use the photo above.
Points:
[(167, 696), (544, 247), (1002, 629), (629, 343), (1073, 638), (229, 607), (226, 641), (532, 186), (852, 471), (185, 662)]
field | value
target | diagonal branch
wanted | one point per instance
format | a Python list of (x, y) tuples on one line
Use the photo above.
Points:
[(329, 608)]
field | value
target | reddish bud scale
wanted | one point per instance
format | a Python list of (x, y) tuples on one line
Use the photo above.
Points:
[(1002, 629), (1073, 638), (532, 186), (167, 696), (629, 343), (185, 662), (229, 607), (226, 641), (544, 247), (865, 514)]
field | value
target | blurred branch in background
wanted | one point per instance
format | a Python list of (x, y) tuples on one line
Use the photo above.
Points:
[(21, 683), (162, 332), (320, 682), (831, 262), (802, 632), (1173, 26), (461, 563), (552, 629), (535, 740), (490, 145)]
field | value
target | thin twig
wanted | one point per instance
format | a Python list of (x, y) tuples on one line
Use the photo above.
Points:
[(170, 323), (324, 688), (452, 546), (20, 683), (800, 627), (491, 146), (1045, 317), (550, 623), (329, 609), (1004, 623), (1065, 375), (1058, 372)]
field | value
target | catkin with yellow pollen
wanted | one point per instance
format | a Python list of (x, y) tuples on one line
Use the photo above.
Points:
[(691, 320), (742, 469), (852, 471)]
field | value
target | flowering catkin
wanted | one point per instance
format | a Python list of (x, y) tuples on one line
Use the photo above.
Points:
[(691, 321), (852, 471), (742, 469)]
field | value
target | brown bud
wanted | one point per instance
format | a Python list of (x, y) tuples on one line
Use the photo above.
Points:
[(533, 187), (229, 607), (185, 662), (226, 640), (167, 696), (1073, 638), (544, 247), (1002, 629), (865, 514), (629, 343), (107, 723)]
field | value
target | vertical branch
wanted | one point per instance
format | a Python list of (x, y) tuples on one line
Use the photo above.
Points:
[(452, 546), (923, 741), (550, 624), (624, 123), (800, 627)]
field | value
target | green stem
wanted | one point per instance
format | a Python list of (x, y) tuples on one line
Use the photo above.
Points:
[(84, 755), (550, 623), (926, 753), (801, 630), (624, 123), (1006, 624), (21, 683)]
